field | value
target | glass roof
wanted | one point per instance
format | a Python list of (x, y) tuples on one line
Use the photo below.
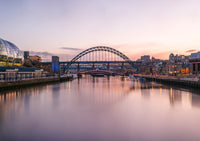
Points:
[(10, 49)]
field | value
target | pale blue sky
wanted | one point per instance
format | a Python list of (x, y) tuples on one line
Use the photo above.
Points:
[(135, 27)]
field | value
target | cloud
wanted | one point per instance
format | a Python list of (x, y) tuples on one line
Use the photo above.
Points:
[(70, 48), (40, 53), (46, 56), (191, 50)]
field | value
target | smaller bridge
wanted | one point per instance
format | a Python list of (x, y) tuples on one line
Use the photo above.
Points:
[(97, 72)]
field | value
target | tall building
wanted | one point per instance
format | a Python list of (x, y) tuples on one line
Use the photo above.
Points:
[(145, 58), (171, 57), (26, 54), (55, 64)]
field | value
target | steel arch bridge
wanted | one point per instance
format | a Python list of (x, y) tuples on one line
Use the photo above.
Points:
[(99, 49)]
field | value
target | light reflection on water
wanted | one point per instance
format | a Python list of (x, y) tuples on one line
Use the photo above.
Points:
[(109, 108)]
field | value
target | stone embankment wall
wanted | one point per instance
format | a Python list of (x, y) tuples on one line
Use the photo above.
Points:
[(22, 83), (187, 82)]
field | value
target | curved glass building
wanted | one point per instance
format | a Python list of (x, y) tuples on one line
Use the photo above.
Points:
[(10, 55)]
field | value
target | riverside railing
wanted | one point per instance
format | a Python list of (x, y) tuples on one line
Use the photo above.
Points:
[(14, 75)]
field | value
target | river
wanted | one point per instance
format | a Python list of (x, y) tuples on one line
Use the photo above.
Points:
[(100, 109)]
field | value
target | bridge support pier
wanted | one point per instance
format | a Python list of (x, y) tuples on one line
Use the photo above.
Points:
[(78, 68), (93, 67), (108, 66), (122, 67)]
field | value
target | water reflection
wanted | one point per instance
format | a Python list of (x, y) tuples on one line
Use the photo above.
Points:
[(174, 96), (195, 100), (101, 91), (108, 108), (55, 95)]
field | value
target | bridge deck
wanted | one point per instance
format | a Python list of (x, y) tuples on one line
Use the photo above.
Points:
[(95, 62)]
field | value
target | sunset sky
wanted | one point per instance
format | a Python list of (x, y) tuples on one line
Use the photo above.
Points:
[(134, 27)]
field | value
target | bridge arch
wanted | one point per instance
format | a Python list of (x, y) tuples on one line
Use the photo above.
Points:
[(95, 49)]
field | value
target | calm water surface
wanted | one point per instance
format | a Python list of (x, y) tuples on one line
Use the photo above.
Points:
[(107, 109)]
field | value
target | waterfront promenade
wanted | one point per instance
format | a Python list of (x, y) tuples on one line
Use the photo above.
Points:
[(193, 82), (14, 77), (7, 84)]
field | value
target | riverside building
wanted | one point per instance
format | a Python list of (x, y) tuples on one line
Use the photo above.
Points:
[(195, 63), (10, 54), (19, 73), (11, 61)]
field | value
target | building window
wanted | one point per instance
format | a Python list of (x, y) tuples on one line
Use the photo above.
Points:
[(198, 66)]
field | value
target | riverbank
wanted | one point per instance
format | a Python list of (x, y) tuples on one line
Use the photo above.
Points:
[(22, 83), (181, 81)]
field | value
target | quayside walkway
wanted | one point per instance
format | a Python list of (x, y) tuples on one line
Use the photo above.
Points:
[(11, 77), (193, 82)]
